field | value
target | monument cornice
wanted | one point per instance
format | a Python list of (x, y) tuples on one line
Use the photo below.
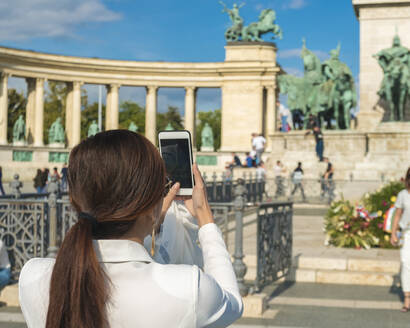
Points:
[(25, 63), (357, 4)]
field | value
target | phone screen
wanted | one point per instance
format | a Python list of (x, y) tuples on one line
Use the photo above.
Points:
[(175, 153)]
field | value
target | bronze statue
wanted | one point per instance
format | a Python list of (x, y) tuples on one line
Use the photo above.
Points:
[(394, 89), (19, 129)]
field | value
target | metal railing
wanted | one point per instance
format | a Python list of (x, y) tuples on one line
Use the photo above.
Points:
[(36, 227)]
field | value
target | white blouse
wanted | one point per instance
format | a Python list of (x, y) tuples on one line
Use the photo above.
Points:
[(146, 293)]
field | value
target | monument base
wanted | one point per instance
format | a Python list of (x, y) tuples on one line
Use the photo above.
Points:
[(57, 145), (19, 143), (369, 121), (207, 149)]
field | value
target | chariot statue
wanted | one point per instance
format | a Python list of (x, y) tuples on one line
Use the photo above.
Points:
[(56, 133), (253, 32), (394, 89), (19, 130)]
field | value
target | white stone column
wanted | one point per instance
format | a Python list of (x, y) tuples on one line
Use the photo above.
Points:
[(76, 114), (270, 120), (30, 109), (3, 108), (190, 111), (68, 113), (151, 114), (112, 108), (39, 110)]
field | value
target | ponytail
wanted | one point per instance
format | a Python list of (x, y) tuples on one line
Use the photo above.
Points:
[(78, 288)]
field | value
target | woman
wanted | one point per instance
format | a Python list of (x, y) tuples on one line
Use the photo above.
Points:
[(103, 276), (402, 220), (1, 182)]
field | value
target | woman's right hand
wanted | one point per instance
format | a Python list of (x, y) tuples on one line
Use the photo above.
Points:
[(198, 204), (393, 239)]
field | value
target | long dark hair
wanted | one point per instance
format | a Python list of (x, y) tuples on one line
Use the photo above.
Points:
[(114, 176), (407, 179)]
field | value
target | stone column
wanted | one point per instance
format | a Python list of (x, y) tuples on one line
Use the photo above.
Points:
[(112, 110), (3, 108), (151, 114), (270, 120), (68, 113), (76, 114), (190, 111), (30, 109), (39, 110)]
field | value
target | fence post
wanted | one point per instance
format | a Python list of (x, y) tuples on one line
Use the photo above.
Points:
[(238, 264), (52, 219), (15, 186)]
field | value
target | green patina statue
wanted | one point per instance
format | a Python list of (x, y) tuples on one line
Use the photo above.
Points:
[(93, 129), (326, 90), (133, 127), (19, 130), (56, 133), (207, 138), (395, 63), (169, 127), (253, 32)]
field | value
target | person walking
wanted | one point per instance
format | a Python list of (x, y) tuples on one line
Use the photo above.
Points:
[(297, 177), (319, 141), (64, 172), (38, 182), (1, 182), (103, 275), (327, 180), (258, 145), (278, 171), (402, 222)]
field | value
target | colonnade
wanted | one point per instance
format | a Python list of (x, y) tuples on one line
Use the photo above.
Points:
[(35, 110)]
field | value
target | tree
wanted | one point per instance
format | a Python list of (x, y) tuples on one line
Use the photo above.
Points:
[(132, 112), (16, 106), (171, 116), (213, 118)]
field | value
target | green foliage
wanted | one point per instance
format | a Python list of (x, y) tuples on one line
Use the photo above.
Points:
[(89, 114), (132, 112), (213, 118), (16, 107), (171, 116), (350, 226)]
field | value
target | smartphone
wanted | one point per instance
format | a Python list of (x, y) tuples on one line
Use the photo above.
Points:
[(176, 151)]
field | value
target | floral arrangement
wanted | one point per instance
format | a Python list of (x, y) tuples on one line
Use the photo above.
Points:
[(361, 225)]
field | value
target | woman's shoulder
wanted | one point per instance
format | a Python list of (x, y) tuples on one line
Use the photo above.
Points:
[(34, 270)]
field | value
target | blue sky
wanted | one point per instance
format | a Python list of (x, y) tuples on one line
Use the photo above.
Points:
[(179, 30)]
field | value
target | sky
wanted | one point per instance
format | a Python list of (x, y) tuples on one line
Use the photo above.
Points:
[(178, 30)]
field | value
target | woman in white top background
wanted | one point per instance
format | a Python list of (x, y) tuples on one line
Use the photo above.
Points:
[(402, 220), (103, 276)]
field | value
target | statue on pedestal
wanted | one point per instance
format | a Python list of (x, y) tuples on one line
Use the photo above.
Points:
[(207, 138), (19, 130), (254, 31), (169, 127), (56, 133), (93, 129), (133, 127), (395, 63)]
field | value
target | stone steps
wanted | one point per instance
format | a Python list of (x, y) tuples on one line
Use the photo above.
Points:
[(352, 271)]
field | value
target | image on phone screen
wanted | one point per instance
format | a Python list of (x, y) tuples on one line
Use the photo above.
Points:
[(175, 153)]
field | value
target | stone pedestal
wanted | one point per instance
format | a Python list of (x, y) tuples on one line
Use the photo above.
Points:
[(207, 149), (19, 143), (56, 145)]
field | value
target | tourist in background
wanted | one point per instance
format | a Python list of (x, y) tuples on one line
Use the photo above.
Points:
[(258, 145), (249, 161), (1, 182), (38, 181), (317, 133), (327, 180), (44, 180), (55, 175), (64, 172), (297, 177), (5, 267), (260, 172), (278, 171), (402, 222)]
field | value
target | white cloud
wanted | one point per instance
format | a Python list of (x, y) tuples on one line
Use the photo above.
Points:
[(292, 53), (25, 19), (293, 71), (295, 4)]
